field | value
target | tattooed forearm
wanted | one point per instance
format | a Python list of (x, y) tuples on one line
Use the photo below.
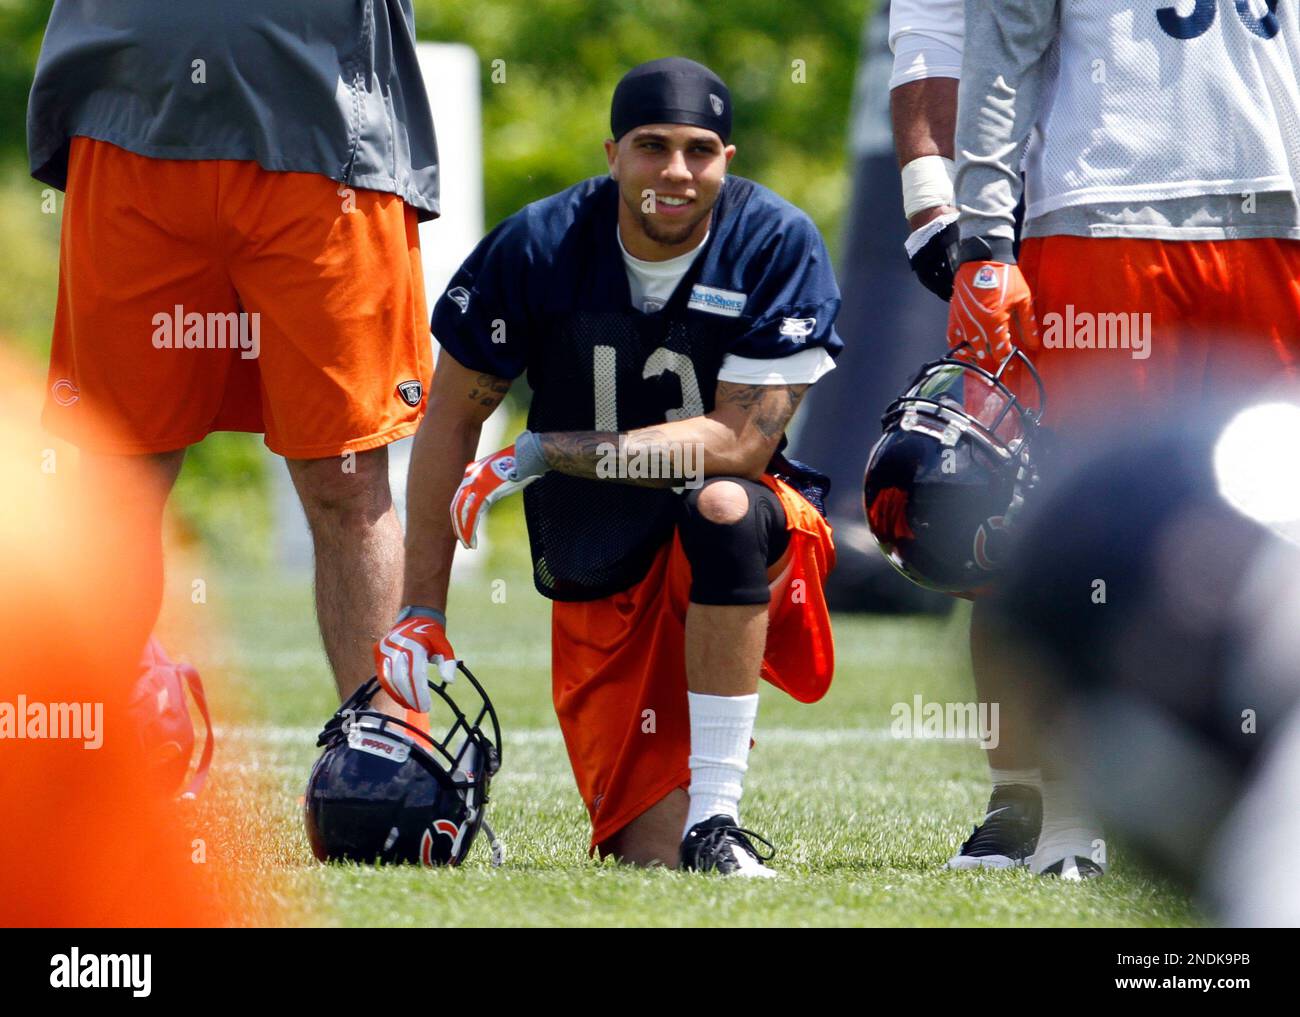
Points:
[(768, 408), (737, 437), (488, 390), (646, 457)]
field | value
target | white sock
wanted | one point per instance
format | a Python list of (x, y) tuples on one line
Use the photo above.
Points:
[(721, 727), (1031, 778)]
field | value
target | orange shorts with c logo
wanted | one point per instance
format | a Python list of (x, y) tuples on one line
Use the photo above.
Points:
[(213, 295)]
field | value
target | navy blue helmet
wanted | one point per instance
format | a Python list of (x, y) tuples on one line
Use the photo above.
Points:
[(384, 791), (951, 470)]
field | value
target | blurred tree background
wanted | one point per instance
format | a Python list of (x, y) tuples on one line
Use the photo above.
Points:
[(548, 69)]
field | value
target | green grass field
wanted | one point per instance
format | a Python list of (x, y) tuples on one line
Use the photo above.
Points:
[(863, 822)]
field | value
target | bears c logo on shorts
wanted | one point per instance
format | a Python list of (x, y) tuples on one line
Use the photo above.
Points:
[(65, 393)]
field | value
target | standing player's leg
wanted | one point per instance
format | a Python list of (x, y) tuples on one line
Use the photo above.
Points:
[(1009, 831), (345, 360), (138, 247), (139, 486), (1033, 817), (357, 539)]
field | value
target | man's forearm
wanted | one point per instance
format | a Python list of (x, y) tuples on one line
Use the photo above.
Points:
[(438, 460), (1001, 87), (924, 115), (660, 451), (736, 439)]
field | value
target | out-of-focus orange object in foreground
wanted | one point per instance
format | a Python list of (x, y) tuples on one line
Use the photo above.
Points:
[(86, 838)]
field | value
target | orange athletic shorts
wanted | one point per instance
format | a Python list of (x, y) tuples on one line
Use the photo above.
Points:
[(167, 264), (614, 659), (1223, 314)]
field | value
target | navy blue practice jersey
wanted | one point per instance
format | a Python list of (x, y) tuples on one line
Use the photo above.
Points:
[(546, 294)]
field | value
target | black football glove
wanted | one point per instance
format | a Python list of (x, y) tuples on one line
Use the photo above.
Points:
[(929, 250)]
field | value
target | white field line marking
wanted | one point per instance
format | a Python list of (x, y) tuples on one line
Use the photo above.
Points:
[(315, 658), (276, 734)]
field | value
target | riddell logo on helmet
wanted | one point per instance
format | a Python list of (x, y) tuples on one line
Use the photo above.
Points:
[(378, 745)]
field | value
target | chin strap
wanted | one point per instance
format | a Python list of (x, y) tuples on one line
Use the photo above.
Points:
[(498, 848)]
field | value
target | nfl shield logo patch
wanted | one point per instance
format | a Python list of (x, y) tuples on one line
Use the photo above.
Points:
[(411, 392)]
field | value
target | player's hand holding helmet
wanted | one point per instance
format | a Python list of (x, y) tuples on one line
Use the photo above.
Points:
[(490, 479), (991, 309), (402, 657)]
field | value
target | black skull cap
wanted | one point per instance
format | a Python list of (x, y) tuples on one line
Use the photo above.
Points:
[(673, 90)]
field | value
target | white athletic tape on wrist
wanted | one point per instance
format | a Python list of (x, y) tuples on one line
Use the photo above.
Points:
[(919, 238), (927, 183)]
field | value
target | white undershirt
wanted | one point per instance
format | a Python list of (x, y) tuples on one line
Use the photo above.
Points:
[(652, 284)]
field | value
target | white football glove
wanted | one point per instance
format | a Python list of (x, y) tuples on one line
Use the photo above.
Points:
[(403, 656)]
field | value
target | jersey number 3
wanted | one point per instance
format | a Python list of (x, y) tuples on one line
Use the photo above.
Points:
[(659, 362), (1198, 22)]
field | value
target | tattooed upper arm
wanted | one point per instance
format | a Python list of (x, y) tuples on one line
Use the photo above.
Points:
[(766, 409), (487, 390), (463, 395)]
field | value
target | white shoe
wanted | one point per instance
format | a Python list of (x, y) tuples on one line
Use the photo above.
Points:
[(1072, 851)]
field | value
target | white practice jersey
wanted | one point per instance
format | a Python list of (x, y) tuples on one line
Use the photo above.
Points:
[(926, 39), (1177, 119), (1149, 104)]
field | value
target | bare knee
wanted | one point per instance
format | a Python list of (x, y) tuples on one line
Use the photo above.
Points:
[(348, 492), (723, 501)]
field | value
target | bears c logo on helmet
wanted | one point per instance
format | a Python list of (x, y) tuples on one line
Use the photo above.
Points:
[(446, 828), (981, 550)]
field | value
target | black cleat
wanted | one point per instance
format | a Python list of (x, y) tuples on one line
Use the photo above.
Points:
[(1009, 832), (718, 845)]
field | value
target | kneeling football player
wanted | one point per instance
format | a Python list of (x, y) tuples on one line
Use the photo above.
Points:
[(670, 319)]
